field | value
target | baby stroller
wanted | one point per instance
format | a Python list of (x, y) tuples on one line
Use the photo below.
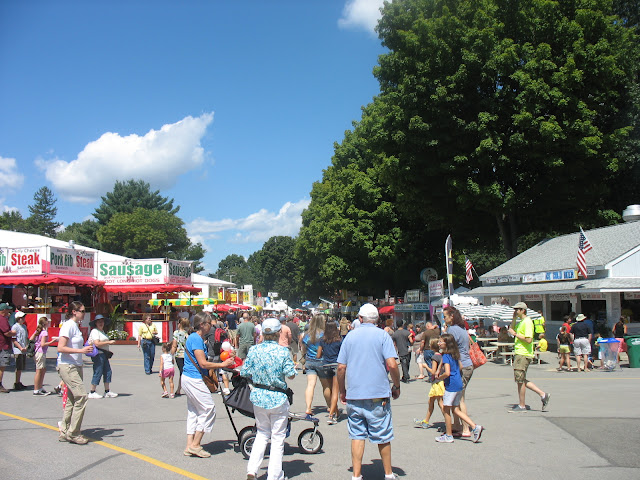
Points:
[(310, 439)]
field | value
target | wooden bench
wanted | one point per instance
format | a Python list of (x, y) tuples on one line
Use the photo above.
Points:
[(507, 355)]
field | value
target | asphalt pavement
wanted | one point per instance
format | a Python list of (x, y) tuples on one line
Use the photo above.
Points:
[(590, 431)]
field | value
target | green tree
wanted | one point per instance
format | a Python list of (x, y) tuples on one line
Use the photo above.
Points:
[(129, 195), (504, 113), (41, 220), (83, 233), (144, 233), (12, 220), (233, 268), (193, 252), (274, 268)]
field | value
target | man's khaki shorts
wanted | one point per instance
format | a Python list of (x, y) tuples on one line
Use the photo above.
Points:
[(520, 366)]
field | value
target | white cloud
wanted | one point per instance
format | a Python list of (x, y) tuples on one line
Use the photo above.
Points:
[(10, 178), (157, 157), (362, 14), (257, 227)]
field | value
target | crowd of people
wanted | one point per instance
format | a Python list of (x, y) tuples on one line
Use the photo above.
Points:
[(360, 363)]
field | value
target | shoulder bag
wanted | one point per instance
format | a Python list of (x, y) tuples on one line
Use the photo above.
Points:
[(210, 380), (478, 357)]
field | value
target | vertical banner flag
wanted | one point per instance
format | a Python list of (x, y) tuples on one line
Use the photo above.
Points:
[(468, 266), (583, 247), (448, 252)]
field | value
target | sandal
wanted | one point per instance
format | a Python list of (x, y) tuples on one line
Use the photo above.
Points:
[(420, 377), (165, 395)]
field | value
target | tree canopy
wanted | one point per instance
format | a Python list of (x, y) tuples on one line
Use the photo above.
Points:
[(41, 220), (274, 268)]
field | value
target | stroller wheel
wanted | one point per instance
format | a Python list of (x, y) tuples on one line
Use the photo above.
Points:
[(246, 442), (310, 440)]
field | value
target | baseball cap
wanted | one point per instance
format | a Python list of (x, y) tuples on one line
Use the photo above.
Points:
[(368, 310), (520, 305), (5, 306), (271, 325), (20, 314)]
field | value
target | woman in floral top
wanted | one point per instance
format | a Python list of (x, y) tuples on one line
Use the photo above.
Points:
[(177, 347), (268, 364)]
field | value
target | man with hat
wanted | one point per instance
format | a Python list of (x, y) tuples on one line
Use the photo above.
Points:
[(20, 342), (6, 340), (267, 364), (522, 329), (365, 355)]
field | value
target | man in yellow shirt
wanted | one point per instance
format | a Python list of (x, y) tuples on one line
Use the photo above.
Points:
[(522, 329)]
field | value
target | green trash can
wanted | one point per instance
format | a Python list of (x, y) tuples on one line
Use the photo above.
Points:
[(633, 350)]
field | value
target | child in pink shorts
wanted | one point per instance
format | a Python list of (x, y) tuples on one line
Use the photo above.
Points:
[(166, 370)]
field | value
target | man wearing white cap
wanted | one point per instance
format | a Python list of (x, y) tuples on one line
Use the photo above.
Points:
[(6, 341), (522, 330), (364, 357)]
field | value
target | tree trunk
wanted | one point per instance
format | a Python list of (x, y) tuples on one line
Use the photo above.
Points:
[(508, 233)]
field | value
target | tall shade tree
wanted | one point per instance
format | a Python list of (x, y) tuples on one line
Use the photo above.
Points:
[(129, 195), (83, 233), (144, 234), (233, 268), (41, 220), (12, 220), (518, 114), (274, 268)]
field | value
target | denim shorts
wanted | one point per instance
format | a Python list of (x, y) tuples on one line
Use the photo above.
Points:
[(370, 419), (327, 371), (313, 366)]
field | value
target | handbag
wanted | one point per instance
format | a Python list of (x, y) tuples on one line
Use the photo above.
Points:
[(478, 357), (154, 337), (94, 352), (108, 353), (210, 380)]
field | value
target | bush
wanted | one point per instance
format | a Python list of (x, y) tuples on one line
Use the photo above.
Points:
[(117, 335)]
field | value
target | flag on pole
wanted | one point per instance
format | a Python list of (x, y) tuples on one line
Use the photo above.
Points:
[(583, 247), (468, 266), (448, 253)]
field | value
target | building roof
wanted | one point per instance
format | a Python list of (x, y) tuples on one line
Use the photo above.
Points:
[(573, 286), (609, 243)]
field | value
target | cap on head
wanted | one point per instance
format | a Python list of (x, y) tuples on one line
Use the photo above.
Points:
[(580, 317), (368, 311), (520, 305), (5, 306), (271, 325), (19, 314)]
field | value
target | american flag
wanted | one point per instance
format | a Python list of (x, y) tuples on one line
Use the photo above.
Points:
[(583, 247), (468, 267)]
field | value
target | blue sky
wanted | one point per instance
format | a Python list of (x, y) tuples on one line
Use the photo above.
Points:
[(230, 108)]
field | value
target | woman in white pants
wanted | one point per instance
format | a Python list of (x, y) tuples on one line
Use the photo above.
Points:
[(267, 364), (201, 410)]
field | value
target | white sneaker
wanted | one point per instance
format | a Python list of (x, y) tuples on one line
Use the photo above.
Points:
[(95, 395), (110, 395), (226, 391)]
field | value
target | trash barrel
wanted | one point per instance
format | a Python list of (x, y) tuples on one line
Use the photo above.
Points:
[(609, 353), (633, 350)]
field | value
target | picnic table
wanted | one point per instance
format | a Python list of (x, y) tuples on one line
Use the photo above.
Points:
[(508, 353)]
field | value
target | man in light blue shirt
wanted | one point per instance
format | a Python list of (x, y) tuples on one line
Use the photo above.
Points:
[(365, 355)]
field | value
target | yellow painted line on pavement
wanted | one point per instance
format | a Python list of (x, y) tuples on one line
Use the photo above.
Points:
[(131, 453)]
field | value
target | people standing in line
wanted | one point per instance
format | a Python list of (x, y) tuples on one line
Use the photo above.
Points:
[(40, 337), (20, 342), (522, 329), (246, 336), (582, 335), (312, 366), (436, 392), (328, 351), (177, 347), (455, 327), (201, 409), (232, 327), (6, 342), (268, 365), (146, 333), (564, 349), (295, 340), (450, 373), (365, 356), (402, 340), (166, 370), (70, 350), (101, 365)]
